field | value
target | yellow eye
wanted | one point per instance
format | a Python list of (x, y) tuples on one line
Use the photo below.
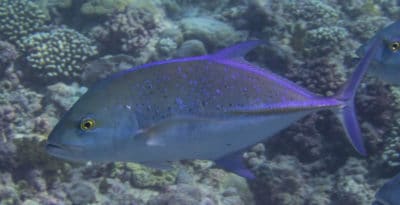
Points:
[(87, 124), (394, 46)]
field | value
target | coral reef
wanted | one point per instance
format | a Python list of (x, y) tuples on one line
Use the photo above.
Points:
[(213, 33), (143, 177), (8, 190), (166, 46), (181, 195), (351, 184), (19, 18), (128, 31), (57, 54), (310, 42), (391, 153), (285, 180), (30, 155), (191, 48), (366, 27), (360, 9), (8, 54), (81, 193), (64, 96), (102, 7), (315, 13), (104, 66), (19, 108), (319, 75), (323, 40)]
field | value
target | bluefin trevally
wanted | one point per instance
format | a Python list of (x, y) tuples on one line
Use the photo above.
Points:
[(389, 193), (205, 107), (386, 61)]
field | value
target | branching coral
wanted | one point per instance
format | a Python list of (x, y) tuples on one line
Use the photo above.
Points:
[(57, 53), (19, 18)]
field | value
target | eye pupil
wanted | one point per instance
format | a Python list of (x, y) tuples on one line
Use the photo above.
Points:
[(87, 124), (395, 46)]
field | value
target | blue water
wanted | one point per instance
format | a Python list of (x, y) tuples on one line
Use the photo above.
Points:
[(52, 51)]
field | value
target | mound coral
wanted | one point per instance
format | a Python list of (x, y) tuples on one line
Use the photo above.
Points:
[(126, 31), (214, 33), (57, 53), (19, 18)]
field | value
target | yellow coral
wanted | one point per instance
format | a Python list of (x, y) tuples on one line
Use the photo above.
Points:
[(145, 177)]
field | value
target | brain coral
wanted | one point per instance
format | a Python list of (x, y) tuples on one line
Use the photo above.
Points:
[(127, 31), (19, 18), (57, 53)]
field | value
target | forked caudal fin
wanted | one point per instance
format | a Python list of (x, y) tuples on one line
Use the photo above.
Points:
[(346, 113)]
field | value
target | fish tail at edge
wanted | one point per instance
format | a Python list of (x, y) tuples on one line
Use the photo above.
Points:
[(346, 112)]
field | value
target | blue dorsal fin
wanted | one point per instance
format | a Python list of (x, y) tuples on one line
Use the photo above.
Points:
[(238, 51), (234, 163)]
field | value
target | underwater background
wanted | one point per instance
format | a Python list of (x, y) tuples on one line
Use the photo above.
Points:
[(52, 50)]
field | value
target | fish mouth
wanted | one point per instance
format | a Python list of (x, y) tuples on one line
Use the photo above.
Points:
[(52, 148)]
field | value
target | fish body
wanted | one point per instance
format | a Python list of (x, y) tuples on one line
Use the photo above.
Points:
[(205, 107), (386, 61), (389, 193)]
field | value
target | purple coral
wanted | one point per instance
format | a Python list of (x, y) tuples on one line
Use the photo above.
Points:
[(126, 31)]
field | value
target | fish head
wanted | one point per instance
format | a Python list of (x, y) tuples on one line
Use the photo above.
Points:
[(386, 61), (92, 129)]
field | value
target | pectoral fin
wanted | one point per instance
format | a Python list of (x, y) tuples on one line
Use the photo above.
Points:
[(170, 129), (150, 136)]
